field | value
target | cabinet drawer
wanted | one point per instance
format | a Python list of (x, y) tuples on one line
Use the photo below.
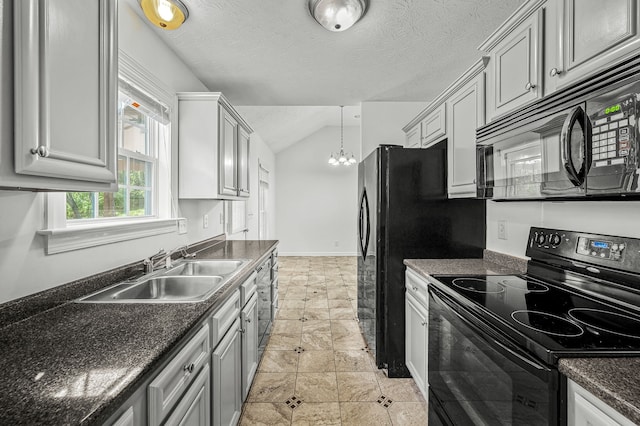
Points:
[(126, 419), (248, 288), (224, 317), (167, 388), (417, 287), (584, 408), (195, 407)]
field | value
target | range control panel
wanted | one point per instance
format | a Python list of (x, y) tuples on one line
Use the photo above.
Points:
[(606, 250)]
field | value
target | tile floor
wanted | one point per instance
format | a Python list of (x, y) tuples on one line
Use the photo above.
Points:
[(316, 369)]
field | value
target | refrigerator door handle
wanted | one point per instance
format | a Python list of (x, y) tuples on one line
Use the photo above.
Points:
[(362, 217)]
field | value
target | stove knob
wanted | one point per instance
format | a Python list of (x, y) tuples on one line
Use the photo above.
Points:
[(556, 240), (540, 239), (621, 246)]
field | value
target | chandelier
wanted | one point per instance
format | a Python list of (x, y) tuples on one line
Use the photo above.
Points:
[(341, 157)]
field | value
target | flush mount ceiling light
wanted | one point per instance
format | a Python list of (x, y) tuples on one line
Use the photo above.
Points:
[(166, 14), (341, 157), (337, 15)]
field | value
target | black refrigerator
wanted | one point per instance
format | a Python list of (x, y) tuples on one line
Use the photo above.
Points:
[(404, 213)]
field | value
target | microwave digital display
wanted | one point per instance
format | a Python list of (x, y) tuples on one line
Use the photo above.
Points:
[(612, 109)]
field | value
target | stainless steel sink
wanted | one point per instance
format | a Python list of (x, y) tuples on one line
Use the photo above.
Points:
[(207, 267), (160, 289)]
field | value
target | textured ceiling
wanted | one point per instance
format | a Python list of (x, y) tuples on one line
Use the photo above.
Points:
[(272, 52), (283, 126)]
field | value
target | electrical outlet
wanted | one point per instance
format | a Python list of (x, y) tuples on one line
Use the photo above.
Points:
[(502, 230), (205, 221), (182, 226)]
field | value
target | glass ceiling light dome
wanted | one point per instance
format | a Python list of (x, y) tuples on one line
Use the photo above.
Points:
[(337, 15), (166, 14)]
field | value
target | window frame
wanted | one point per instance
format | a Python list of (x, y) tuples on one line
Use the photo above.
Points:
[(62, 234)]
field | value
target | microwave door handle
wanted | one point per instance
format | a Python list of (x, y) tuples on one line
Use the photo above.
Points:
[(574, 176)]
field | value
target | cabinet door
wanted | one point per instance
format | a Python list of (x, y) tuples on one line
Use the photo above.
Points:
[(594, 34), (228, 153), (516, 67), (416, 342), (434, 126), (65, 94), (414, 137), (227, 378), (466, 114), (584, 408), (243, 163), (194, 408), (249, 319)]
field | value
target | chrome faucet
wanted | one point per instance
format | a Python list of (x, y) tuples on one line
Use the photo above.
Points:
[(162, 257)]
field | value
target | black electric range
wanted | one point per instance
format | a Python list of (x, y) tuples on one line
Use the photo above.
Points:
[(495, 340)]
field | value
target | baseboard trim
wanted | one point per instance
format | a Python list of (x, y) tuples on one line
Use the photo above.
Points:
[(315, 254)]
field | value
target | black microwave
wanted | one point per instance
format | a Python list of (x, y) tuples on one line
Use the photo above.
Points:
[(582, 145)]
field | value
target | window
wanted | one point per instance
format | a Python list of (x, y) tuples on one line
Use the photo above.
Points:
[(143, 131)]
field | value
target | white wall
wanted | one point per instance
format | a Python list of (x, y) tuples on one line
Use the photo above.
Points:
[(24, 268), (316, 203), (382, 123), (611, 217)]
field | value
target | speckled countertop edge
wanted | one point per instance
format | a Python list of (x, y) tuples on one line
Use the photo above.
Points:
[(613, 380), (493, 263), (50, 359)]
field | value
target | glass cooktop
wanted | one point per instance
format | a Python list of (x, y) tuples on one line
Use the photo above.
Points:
[(546, 318)]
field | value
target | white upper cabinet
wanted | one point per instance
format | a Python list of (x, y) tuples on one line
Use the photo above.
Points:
[(592, 34), (434, 127), (514, 74), (413, 136), (213, 148), (65, 96)]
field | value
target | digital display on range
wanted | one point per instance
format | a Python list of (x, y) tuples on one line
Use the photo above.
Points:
[(600, 244), (612, 109)]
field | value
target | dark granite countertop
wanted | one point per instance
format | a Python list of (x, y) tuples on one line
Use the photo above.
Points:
[(492, 264), (76, 363), (613, 380)]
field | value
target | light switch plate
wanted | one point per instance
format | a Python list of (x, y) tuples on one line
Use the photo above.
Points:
[(182, 226), (205, 221), (502, 230)]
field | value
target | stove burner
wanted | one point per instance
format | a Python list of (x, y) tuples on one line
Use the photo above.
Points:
[(547, 323), (528, 286), (610, 322), (478, 285)]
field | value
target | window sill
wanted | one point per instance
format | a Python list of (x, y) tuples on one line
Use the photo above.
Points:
[(60, 240)]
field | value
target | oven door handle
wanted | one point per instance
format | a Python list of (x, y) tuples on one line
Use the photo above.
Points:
[(517, 356)]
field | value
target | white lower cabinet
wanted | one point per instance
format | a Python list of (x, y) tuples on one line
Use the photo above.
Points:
[(194, 408), (585, 409), (249, 320), (227, 374), (416, 332)]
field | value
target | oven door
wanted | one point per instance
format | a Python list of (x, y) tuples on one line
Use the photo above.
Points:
[(545, 158), (477, 378)]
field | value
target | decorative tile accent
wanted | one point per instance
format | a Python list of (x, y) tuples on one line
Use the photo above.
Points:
[(384, 401), (293, 402), (303, 319), (299, 349)]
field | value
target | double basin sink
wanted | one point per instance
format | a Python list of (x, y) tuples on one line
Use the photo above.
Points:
[(187, 281)]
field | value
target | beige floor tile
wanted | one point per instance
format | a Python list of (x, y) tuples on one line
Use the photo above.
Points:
[(339, 303), (364, 414), (317, 387), (316, 361), (358, 386), (316, 313), (316, 326), (283, 342), (272, 387), (292, 314), (284, 326), (342, 313), (317, 413), (265, 413), (343, 342), (337, 293), (317, 295), (356, 360), (345, 327), (316, 341), (408, 413), (317, 304), (292, 304), (403, 390), (279, 362)]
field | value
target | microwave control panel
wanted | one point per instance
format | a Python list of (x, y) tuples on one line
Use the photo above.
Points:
[(614, 118)]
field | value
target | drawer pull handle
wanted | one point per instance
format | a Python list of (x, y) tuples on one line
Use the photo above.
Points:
[(40, 151), (242, 330), (529, 86), (189, 368), (248, 319), (554, 72), (415, 288), (423, 323)]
